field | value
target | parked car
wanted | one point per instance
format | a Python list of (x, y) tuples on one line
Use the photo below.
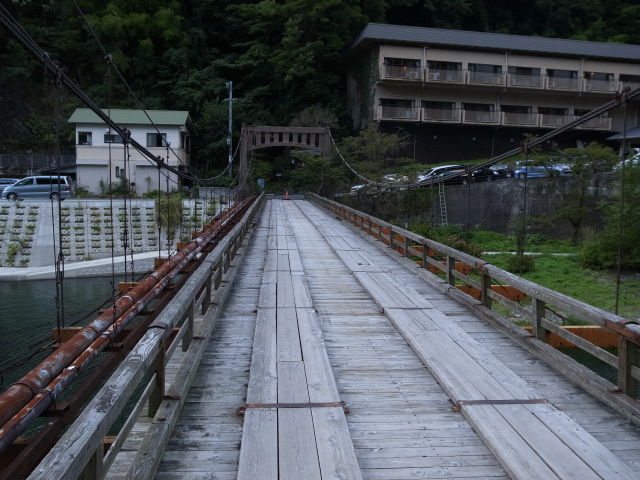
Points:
[(5, 182), (503, 170), (524, 170), (462, 176), (41, 187), (436, 171)]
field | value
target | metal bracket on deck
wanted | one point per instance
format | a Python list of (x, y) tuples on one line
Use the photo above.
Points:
[(460, 403), (242, 410)]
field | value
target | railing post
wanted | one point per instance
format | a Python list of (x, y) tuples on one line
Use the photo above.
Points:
[(425, 254), (485, 288), (391, 235), (406, 246), (206, 301), (379, 232), (188, 334), (93, 468), (627, 357), (157, 367), (537, 312), (227, 258), (451, 267), (218, 274)]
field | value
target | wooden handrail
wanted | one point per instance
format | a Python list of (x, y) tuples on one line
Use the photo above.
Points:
[(628, 331), (79, 451)]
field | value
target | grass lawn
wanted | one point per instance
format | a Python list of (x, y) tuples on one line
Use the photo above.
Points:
[(598, 288)]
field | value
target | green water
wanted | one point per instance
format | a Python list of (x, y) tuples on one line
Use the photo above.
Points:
[(28, 315)]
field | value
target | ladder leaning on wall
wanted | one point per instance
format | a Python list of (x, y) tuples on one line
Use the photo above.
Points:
[(443, 204)]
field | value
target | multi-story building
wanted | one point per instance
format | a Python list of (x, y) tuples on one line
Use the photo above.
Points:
[(460, 94), (100, 153)]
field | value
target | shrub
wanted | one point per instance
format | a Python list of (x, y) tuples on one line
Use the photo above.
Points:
[(520, 264)]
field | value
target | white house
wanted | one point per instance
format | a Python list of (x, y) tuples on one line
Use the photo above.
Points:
[(100, 153)]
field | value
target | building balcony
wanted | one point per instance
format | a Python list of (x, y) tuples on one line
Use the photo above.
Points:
[(404, 73), (520, 119), (486, 78), (441, 115), (548, 120), (386, 112), (604, 86), (474, 117), (525, 81), (445, 75), (598, 123), (558, 83), (480, 117)]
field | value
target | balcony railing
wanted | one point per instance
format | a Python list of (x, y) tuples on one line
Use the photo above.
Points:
[(474, 116), (520, 119), (451, 115), (454, 115), (529, 81), (598, 123), (549, 120), (445, 75), (386, 112), (558, 83), (403, 72), (606, 86), (486, 78)]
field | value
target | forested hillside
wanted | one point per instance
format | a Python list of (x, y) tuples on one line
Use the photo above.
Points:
[(282, 56)]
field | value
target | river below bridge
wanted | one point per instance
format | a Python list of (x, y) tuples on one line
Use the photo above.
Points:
[(28, 315)]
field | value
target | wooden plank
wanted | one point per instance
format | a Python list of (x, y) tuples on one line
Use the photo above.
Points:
[(301, 295), (268, 290), (320, 381), (259, 450), (284, 290), (513, 452), (335, 449), (263, 378), (287, 336), (295, 263), (551, 449), (592, 452), (297, 451), (292, 383)]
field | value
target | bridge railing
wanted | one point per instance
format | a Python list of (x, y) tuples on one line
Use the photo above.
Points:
[(489, 284), (80, 452)]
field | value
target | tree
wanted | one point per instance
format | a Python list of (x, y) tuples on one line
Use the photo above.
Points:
[(585, 161), (316, 173), (622, 228)]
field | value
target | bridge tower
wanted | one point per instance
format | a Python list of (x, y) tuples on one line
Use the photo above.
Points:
[(254, 137)]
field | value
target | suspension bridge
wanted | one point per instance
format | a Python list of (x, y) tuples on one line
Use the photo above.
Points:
[(314, 341)]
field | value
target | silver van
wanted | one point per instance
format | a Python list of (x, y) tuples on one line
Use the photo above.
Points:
[(5, 182), (41, 187)]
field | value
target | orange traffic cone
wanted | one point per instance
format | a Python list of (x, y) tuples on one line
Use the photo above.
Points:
[(286, 195)]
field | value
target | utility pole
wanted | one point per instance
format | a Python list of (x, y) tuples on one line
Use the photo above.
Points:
[(229, 86)]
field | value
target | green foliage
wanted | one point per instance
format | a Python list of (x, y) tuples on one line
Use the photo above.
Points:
[(622, 228), (520, 263)]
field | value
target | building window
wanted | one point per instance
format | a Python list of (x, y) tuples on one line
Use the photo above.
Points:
[(438, 105), (480, 67), (440, 65), (515, 109), (112, 138), (478, 107), (532, 72), (482, 73), (84, 138), (156, 139), (629, 78), (397, 108), (120, 172), (402, 68), (402, 62)]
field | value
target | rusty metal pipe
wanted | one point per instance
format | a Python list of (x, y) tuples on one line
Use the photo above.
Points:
[(24, 390)]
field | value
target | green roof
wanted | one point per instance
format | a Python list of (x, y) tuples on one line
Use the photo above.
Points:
[(134, 117)]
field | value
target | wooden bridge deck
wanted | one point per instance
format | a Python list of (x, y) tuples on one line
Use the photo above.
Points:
[(319, 315)]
